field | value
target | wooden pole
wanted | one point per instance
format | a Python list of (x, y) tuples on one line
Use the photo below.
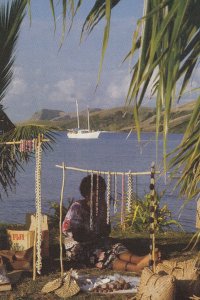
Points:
[(60, 223), (152, 218), (18, 142), (198, 214), (106, 173), (123, 204)]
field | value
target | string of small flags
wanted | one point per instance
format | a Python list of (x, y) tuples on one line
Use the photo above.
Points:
[(27, 145)]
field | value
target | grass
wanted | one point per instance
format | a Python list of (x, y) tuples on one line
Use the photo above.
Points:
[(171, 244)]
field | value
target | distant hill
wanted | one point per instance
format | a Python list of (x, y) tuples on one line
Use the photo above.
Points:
[(114, 119), (47, 114), (57, 115)]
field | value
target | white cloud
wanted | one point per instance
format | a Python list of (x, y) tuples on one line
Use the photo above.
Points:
[(118, 87), (62, 91), (65, 86), (18, 71), (18, 86)]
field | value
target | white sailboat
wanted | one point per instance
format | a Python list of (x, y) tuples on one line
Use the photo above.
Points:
[(78, 133)]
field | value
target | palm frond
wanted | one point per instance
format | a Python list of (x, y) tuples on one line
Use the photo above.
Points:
[(186, 157), (166, 46), (69, 9), (11, 159), (168, 54), (29, 131), (11, 16), (97, 12), (100, 9)]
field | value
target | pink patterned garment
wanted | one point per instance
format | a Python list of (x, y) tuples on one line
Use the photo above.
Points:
[(85, 246)]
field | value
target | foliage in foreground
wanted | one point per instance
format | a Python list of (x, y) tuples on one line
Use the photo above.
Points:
[(137, 220), (11, 17), (166, 45), (12, 160), (54, 213)]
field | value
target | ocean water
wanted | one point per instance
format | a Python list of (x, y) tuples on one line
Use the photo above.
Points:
[(111, 152)]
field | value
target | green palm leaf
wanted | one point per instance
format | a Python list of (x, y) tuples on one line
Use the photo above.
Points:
[(187, 156), (170, 46), (100, 9), (166, 46), (69, 9), (11, 16), (12, 159)]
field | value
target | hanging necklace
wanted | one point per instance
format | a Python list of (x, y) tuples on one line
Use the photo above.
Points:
[(97, 195), (129, 192), (115, 193), (108, 197), (91, 203), (38, 156), (122, 204)]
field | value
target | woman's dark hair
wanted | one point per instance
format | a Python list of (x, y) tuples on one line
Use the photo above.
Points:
[(85, 186)]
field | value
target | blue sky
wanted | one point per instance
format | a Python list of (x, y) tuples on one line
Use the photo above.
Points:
[(45, 77)]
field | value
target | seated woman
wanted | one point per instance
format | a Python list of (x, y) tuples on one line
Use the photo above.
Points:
[(87, 239)]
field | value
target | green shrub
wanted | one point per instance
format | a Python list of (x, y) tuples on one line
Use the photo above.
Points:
[(54, 218), (137, 220)]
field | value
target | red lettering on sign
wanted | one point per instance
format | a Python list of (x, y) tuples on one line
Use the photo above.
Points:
[(18, 236)]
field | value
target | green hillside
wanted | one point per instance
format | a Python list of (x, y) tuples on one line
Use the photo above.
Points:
[(114, 119)]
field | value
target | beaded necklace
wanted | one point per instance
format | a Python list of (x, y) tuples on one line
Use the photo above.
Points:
[(108, 197), (91, 203), (115, 193), (122, 203)]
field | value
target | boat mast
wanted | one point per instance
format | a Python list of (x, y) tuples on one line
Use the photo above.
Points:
[(88, 113), (78, 125)]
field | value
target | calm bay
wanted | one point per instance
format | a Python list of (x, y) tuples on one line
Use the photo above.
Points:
[(111, 152)]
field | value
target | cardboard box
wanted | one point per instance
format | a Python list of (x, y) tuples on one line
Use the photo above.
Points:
[(20, 239), (23, 239), (44, 223)]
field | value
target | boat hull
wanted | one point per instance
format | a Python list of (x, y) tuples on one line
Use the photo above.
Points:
[(83, 135)]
